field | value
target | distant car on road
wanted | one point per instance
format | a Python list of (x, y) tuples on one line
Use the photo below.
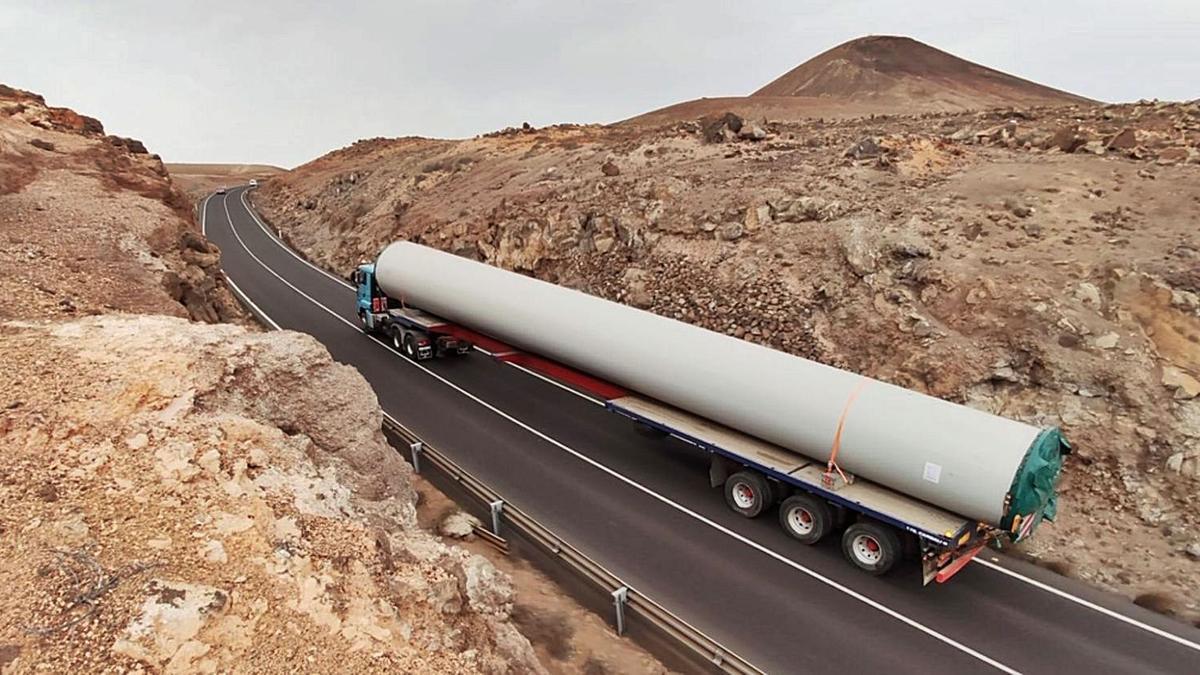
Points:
[(221, 190), (253, 182)]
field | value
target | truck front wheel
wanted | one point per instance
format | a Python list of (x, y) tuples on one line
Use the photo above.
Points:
[(748, 493), (806, 518), (872, 547)]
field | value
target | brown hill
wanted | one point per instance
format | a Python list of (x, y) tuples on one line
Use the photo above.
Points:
[(884, 66), (876, 75)]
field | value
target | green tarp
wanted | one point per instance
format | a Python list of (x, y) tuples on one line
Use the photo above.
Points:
[(1034, 490)]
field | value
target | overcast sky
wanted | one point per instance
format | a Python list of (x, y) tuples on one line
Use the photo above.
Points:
[(284, 82)]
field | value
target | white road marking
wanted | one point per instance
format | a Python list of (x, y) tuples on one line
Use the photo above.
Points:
[(641, 488), (1010, 573), (560, 385), (1092, 606), (232, 286), (285, 247), (343, 282)]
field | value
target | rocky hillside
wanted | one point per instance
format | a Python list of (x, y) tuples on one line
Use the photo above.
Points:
[(875, 75), (190, 498), (181, 497), (92, 223), (1040, 263)]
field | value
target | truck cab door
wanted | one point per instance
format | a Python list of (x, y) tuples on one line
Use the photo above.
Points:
[(362, 284)]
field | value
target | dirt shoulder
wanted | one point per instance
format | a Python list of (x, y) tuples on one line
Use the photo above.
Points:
[(567, 637)]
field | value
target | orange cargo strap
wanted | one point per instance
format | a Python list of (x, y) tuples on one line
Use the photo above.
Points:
[(837, 435)]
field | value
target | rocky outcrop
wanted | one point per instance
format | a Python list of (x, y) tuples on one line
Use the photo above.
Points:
[(191, 498), (92, 224)]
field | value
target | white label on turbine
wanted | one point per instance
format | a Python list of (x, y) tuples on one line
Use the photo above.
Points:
[(933, 472)]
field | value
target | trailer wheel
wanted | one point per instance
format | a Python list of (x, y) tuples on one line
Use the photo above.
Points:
[(397, 337), (748, 493), (871, 547), (410, 346), (806, 518)]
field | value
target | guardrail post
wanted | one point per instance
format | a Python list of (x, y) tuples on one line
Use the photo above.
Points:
[(497, 509), (416, 456), (620, 597)]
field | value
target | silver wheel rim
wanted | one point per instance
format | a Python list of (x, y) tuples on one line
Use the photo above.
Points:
[(396, 342), (743, 496), (867, 549), (800, 520)]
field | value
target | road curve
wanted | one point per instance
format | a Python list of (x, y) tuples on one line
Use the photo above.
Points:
[(642, 508)]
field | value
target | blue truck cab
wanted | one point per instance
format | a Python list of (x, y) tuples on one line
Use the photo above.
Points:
[(371, 300), (412, 332)]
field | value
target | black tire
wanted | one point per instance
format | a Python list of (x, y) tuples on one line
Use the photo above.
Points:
[(362, 323), (871, 547), (409, 347), (806, 518), (396, 337), (748, 493)]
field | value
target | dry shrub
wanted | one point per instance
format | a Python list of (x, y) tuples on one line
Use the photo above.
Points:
[(443, 164), (358, 208), (448, 164), (594, 666), (1057, 566), (13, 179), (548, 629), (1159, 602)]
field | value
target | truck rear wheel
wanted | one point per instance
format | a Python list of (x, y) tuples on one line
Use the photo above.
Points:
[(872, 547), (806, 518), (748, 493), (409, 346)]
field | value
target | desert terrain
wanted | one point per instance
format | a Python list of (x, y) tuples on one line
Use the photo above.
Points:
[(173, 499), (197, 180), (885, 208)]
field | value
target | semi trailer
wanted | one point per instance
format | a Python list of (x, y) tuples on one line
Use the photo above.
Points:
[(418, 335), (895, 472)]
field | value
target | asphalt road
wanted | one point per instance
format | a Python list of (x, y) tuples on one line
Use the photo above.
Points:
[(642, 507)]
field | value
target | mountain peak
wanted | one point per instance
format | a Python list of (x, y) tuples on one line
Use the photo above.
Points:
[(890, 67)]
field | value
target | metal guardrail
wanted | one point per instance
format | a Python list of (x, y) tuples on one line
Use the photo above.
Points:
[(627, 601)]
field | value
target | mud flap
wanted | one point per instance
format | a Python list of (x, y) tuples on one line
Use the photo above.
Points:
[(932, 570), (929, 563), (719, 469)]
